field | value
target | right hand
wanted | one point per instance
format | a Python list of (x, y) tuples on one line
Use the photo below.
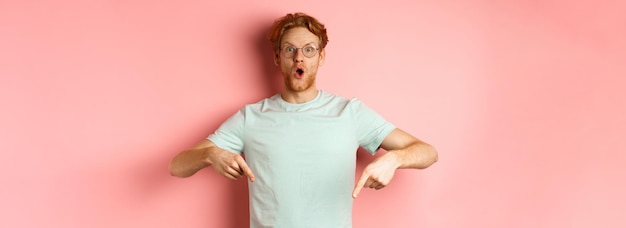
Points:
[(229, 165)]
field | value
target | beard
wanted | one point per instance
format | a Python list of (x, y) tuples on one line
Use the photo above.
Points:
[(299, 85)]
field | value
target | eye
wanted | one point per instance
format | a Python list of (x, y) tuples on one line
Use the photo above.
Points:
[(290, 49), (309, 49)]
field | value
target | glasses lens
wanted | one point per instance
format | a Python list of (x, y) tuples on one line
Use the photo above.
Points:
[(308, 51), (289, 52)]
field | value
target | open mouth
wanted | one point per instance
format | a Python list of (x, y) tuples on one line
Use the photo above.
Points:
[(299, 72)]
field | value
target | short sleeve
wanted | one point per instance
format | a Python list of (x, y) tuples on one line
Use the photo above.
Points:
[(229, 136), (370, 126)]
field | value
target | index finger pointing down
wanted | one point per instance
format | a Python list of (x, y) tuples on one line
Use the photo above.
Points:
[(246, 170), (359, 185)]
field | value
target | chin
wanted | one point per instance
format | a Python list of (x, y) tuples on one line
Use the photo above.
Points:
[(298, 86)]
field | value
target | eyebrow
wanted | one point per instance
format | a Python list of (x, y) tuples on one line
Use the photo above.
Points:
[(290, 44)]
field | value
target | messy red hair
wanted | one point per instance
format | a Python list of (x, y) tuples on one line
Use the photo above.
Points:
[(289, 21)]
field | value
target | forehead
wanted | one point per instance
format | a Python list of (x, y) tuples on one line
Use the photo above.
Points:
[(299, 36)]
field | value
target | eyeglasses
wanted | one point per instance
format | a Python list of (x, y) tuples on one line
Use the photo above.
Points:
[(308, 51)]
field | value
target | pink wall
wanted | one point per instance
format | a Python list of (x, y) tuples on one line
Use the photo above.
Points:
[(524, 101)]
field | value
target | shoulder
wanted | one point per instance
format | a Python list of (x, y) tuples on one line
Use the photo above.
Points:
[(327, 97), (261, 104), (353, 105)]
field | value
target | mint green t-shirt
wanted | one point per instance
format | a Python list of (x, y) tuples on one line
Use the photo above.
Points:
[(303, 157)]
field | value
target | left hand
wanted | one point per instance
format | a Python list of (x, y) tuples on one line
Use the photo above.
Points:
[(377, 174)]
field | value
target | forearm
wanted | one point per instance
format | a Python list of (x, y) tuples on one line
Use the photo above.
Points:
[(417, 155), (189, 162), (403, 152)]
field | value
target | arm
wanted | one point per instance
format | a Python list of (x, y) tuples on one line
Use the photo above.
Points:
[(227, 164), (403, 151), (409, 151)]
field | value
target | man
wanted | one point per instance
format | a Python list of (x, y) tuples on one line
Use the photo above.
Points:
[(300, 145)]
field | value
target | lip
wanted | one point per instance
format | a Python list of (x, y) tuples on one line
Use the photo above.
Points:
[(298, 72)]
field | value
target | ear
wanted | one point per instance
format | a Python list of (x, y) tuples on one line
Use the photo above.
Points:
[(322, 57), (276, 59)]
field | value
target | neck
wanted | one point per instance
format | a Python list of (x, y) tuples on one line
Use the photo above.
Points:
[(299, 97)]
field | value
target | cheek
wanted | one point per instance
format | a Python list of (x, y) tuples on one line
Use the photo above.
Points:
[(284, 62), (285, 66), (313, 66)]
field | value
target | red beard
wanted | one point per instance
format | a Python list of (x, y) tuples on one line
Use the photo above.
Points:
[(299, 85)]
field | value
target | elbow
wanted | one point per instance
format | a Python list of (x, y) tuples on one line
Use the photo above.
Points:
[(174, 173), (429, 157), (434, 157), (177, 172)]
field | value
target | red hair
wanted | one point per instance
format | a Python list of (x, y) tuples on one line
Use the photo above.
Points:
[(289, 21)]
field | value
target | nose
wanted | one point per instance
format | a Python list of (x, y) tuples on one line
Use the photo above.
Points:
[(299, 56)]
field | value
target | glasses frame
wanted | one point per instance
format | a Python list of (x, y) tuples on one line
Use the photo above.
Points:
[(286, 54)]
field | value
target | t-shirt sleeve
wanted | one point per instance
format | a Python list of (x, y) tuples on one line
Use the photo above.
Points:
[(229, 136), (371, 128)]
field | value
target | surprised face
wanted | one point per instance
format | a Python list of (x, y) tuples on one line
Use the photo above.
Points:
[(299, 71)]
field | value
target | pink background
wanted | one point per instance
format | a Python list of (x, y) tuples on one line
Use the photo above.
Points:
[(524, 100)]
